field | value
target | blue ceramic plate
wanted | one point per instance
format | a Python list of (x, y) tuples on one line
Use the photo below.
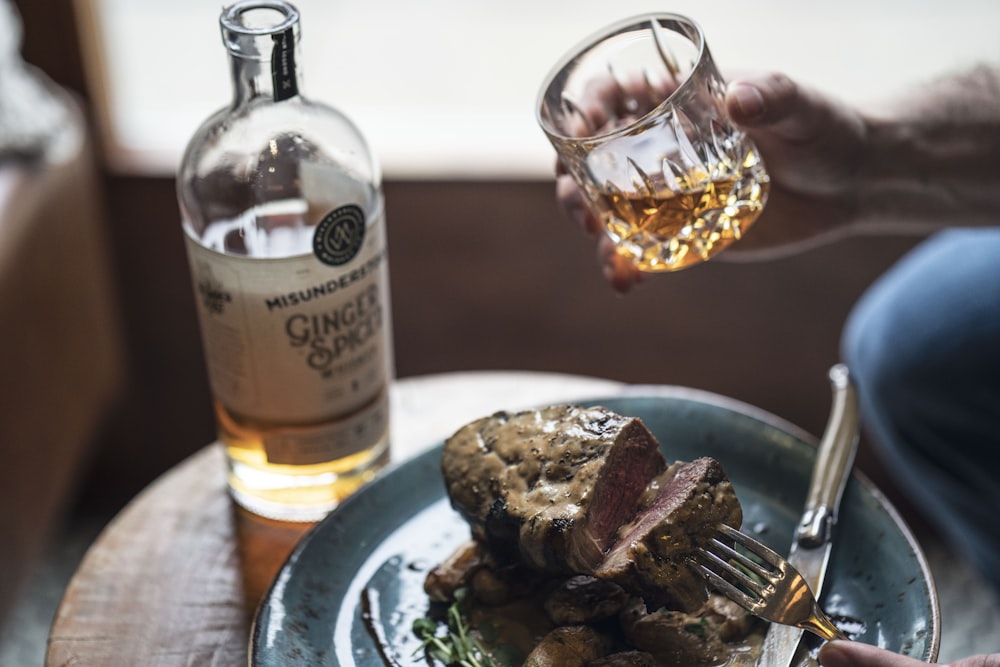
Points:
[(350, 590)]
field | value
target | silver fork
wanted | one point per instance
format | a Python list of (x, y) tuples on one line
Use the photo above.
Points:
[(778, 593)]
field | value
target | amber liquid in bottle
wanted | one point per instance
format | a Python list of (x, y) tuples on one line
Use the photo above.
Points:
[(318, 485)]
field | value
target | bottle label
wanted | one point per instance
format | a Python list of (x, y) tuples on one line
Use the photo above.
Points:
[(329, 442), (340, 235), (295, 341), (283, 65)]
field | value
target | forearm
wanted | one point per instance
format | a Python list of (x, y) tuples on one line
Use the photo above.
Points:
[(936, 161)]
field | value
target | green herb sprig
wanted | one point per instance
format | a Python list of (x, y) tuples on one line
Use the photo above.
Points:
[(457, 647)]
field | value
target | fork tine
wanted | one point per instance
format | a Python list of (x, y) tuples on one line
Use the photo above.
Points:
[(781, 595), (731, 554), (765, 553), (730, 591), (738, 576)]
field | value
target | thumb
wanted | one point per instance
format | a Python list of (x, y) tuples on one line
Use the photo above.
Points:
[(811, 142), (775, 102), (857, 654)]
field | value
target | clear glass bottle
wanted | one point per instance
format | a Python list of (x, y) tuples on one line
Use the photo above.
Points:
[(284, 221)]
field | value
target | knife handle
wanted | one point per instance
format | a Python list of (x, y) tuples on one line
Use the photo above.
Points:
[(834, 460)]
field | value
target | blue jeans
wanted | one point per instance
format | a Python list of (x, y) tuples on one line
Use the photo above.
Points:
[(923, 346)]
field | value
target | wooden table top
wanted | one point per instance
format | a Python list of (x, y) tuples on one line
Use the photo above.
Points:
[(176, 577)]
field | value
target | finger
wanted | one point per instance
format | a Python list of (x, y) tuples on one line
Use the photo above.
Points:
[(811, 143), (609, 102), (991, 660), (617, 270), (571, 202), (857, 654), (773, 101)]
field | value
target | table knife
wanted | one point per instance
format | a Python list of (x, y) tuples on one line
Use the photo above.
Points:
[(813, 540)]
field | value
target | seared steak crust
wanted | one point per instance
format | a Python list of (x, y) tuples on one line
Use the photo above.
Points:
[(575, 490), (550, 486)]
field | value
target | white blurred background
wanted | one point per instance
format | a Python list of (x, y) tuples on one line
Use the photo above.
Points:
[(446, 88)]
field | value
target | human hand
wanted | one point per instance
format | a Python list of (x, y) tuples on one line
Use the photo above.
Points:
[(618, 271), (813, 148), (857, 654)]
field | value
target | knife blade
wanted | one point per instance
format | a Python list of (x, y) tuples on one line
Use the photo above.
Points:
[(813, 540)]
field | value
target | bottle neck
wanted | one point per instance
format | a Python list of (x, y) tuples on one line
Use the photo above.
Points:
[(262, 37)]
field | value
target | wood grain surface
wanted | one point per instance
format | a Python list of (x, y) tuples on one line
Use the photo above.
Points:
[(176, 577)]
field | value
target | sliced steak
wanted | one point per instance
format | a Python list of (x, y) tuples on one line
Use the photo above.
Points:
[(575, 490), (650, 557), (550, 486)]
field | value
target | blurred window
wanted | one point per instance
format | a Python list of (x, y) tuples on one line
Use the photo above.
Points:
[(446, 88)]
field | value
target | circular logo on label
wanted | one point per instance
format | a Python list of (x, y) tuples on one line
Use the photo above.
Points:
[(339, 235)]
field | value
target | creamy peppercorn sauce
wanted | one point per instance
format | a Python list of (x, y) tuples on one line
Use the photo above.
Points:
[(581, 530)]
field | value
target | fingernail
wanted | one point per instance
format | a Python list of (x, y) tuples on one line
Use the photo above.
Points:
[(748, 99)]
